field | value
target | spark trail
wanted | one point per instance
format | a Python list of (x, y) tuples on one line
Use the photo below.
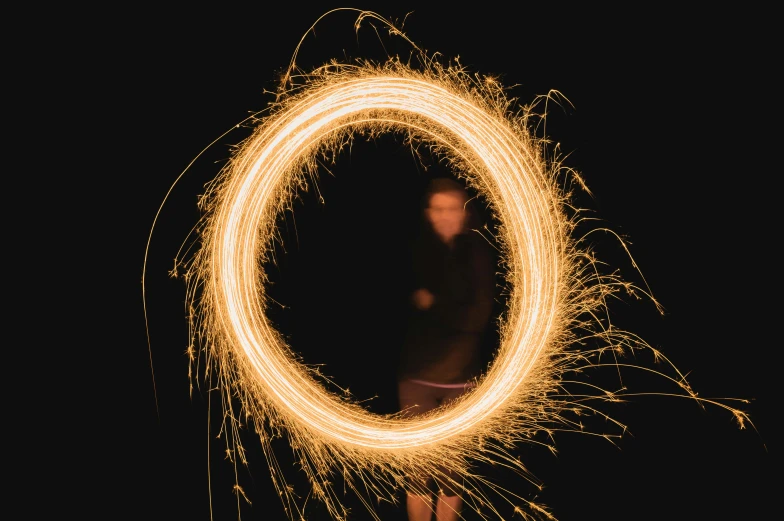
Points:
[(553, 327)]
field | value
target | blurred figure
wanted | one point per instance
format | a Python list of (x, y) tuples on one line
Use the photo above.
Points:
[(452, 302)]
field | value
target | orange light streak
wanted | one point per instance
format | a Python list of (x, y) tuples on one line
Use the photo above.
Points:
[(557, 292)]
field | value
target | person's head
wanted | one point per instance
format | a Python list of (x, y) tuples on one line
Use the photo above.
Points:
[(446, 208)]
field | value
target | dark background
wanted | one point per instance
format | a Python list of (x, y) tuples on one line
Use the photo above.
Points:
[(669, 130)]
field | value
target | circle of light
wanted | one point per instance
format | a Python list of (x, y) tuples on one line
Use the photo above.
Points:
[(510, 175)]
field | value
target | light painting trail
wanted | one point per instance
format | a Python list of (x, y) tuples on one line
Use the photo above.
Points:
[(557, 303), (485, 143)]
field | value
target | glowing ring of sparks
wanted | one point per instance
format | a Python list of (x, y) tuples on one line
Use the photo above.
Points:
[(557, 293), (466, 123), (507, 169)]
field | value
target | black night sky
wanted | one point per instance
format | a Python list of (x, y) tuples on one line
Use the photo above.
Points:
[(663, 128)]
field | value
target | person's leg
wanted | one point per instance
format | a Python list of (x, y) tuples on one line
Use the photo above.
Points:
[(448, 502), (415, 399), (419, 508), (448, 508)]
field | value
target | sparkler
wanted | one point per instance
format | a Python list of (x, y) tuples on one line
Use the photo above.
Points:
[(557, 293)]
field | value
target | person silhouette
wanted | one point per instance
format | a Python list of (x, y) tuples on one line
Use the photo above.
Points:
[(451, 306)]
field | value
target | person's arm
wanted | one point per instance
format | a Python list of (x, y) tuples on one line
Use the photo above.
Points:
[(469, 308), (423, 299)]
